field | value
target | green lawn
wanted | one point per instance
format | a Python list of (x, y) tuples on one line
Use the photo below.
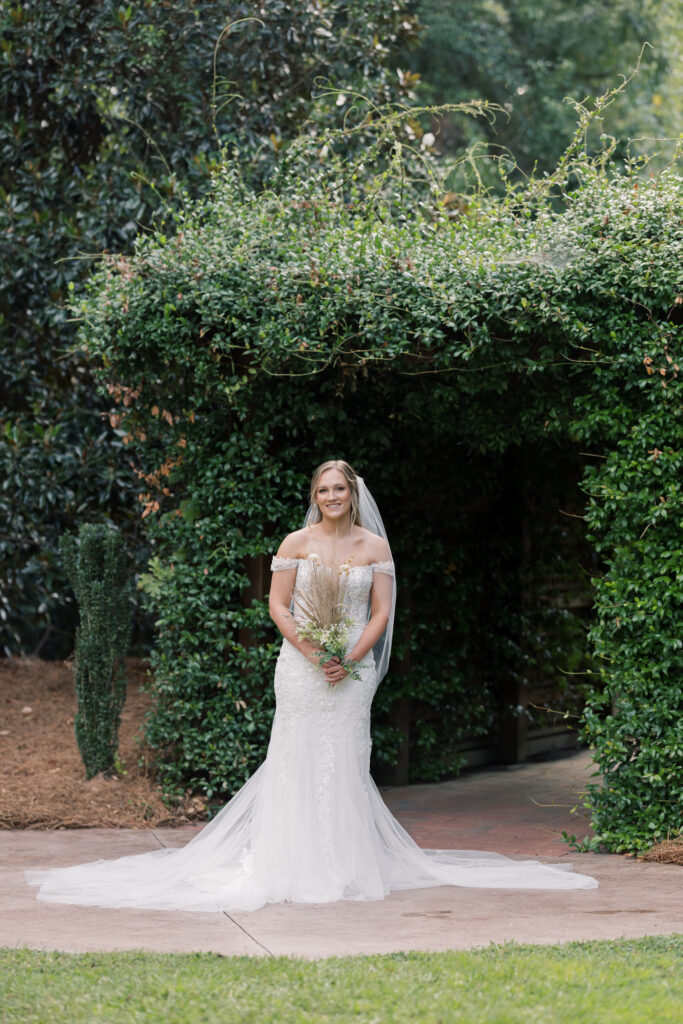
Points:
[(629, 980)]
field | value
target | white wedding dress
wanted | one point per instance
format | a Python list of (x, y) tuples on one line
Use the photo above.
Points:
[(310, 825)]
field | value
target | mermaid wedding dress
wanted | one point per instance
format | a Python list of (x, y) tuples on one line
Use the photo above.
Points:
[(310, 825)]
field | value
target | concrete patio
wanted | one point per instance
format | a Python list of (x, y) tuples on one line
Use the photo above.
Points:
[(520, 811)]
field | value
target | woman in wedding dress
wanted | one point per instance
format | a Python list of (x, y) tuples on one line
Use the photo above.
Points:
[(310, 825)]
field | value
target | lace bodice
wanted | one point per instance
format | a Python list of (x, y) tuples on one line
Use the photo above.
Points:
[(358, 586)]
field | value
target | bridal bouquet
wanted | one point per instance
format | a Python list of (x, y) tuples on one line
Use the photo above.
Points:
[(326, 624)]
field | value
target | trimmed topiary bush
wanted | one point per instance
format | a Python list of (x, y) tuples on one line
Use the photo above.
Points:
[(96, 567)]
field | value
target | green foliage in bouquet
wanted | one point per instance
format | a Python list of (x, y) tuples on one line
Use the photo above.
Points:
[(443, 348), (96, 567)]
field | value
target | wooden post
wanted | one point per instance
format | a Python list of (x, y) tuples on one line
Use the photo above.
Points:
[(259, 584), (512, 739), (400, 717)]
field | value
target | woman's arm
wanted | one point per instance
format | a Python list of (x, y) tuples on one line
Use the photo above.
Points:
[(380, 609), (281, 588)]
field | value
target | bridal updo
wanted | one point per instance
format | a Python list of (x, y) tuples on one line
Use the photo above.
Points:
[(351, 477)]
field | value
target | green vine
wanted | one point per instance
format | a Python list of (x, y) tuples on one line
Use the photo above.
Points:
[(443, 351)]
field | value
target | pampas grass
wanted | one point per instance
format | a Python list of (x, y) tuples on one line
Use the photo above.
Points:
[(324, 605)]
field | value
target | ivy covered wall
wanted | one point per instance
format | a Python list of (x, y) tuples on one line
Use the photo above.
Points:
[(275, 330)]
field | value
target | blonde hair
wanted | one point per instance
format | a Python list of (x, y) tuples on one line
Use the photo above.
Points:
[(351, 478)]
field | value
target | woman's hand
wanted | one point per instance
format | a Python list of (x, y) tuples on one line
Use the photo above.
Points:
[(334, 672)]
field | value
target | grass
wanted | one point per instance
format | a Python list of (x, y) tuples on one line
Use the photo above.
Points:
[(623, 981)]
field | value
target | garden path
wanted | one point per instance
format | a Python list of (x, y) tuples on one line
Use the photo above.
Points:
[(519, 811)]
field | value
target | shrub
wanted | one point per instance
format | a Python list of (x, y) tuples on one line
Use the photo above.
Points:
[(96, 567)]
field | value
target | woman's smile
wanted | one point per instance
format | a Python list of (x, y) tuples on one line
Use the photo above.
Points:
[(333, 495)]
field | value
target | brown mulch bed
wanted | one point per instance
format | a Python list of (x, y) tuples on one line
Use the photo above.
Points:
[(669, 851), (42, 778)]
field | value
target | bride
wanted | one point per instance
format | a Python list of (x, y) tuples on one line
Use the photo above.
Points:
[(310, 825)]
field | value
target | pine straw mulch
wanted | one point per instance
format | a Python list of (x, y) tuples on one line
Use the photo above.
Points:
[(669, 851), (42, 778)]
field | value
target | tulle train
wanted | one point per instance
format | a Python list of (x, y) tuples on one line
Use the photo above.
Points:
[(271, 843)]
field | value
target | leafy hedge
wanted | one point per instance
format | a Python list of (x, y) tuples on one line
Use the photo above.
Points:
[(109, 111), (273, 330), (634, 516)]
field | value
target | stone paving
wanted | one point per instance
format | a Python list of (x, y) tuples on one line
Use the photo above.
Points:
[(520, 811)]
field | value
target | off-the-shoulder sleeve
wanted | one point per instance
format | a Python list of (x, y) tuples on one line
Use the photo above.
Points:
[(386, 567), (280, 564)]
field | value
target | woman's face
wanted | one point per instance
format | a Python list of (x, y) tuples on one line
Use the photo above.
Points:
[(333, 495)]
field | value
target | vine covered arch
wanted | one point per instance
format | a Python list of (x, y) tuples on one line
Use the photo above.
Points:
[(457, 361)]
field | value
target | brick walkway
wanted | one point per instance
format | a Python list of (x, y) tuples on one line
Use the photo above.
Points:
[(517, 809)]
